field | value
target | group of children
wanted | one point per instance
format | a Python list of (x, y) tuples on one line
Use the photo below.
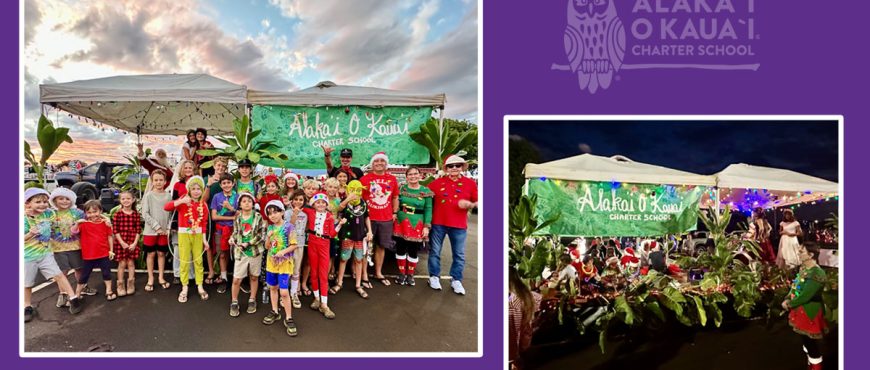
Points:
[(273, 238)]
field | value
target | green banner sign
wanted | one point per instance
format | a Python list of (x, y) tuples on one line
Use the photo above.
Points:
[(615, 209), (300, 132)]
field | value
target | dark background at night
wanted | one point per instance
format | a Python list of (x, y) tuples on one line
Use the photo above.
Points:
[(702, 147)]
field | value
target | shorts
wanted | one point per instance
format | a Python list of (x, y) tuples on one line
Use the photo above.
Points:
[(247, 266), (333, 247), (281, 280), (383, 234), (69, 260), (348, 246), (45, 265), (221, 237), (155, 243)]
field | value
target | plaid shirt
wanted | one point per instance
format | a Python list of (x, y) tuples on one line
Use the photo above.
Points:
[(127, 225)]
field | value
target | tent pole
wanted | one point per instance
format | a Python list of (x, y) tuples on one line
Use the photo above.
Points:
[(440, 137), (718, 202)]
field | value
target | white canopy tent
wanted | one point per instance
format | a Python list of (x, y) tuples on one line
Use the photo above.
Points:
[(588, 167), (167, 104), (328, 93), (757, 186)]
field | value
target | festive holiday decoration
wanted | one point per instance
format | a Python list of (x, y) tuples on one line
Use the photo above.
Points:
[(301, 131), (613, 208)]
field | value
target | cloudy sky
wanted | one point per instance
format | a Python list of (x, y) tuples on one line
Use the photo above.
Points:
[(422, 45)]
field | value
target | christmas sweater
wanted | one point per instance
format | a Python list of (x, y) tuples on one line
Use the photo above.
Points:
[(448, 193), (415, 213)]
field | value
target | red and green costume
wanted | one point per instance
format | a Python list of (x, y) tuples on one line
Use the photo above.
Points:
[(415, 212), (805, 300)]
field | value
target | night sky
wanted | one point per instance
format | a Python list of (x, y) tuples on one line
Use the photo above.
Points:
[(703, 147)]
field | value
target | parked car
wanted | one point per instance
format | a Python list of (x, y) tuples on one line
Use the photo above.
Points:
[(95, 182)]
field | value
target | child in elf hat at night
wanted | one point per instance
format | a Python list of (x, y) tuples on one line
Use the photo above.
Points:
[(321, 229), (280, 244), (192, 226), (296, 216), (357, 228), (247, 243), (65, 238), (38, 257)]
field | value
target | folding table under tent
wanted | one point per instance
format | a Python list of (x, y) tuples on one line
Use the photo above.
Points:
[(745, 187), (161, 104), (615, 196)]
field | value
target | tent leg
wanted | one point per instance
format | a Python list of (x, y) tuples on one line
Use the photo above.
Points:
[(440, 138)]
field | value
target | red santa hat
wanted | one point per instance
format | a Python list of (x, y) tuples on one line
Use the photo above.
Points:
[(379, 155), (289, 175), (629, 259)]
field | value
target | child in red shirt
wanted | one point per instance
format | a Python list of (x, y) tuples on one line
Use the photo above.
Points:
[(192, 225), (96, 240)]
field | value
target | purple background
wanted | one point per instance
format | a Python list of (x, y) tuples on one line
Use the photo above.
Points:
[(813, 61)]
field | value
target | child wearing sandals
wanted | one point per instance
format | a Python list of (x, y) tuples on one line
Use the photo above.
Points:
[(247, 243), (356, 230), (192, 226), (38, 257), (65, 238), (321, 230), (96, 239), (155, 238), (299, 219), (281, 244), (127, 226)]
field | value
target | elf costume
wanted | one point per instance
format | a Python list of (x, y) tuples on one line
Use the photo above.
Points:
[(321, 229), (807, 311), (415, 213)]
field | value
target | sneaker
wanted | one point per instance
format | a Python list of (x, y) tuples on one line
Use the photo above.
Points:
[(89, 291), (176, 281), (271, 318), (457, 287), (294, 299), (222, 288), (315, 305), (291, 327), (400, 280), (75, 305), (252, 306), (409, 280), (234, 309), (62, 300), (434, 283), (29, 312)]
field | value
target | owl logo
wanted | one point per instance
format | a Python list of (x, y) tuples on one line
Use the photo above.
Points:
[(594, 42)]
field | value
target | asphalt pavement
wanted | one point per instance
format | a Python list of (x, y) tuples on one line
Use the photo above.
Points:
[(392, 319)]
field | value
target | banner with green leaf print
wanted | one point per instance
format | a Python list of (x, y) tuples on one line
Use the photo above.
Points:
[(591, 208), (300, 132)]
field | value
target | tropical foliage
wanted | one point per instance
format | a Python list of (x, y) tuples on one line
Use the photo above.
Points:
[(242, 145), (444, 141), (121, 175), (651, 300), (50, 139)]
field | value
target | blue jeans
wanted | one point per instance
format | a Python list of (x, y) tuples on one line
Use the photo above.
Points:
[(457, 245)]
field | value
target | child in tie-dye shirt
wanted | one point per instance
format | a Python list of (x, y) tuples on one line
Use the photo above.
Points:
[(65, 238), (280, 245)]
